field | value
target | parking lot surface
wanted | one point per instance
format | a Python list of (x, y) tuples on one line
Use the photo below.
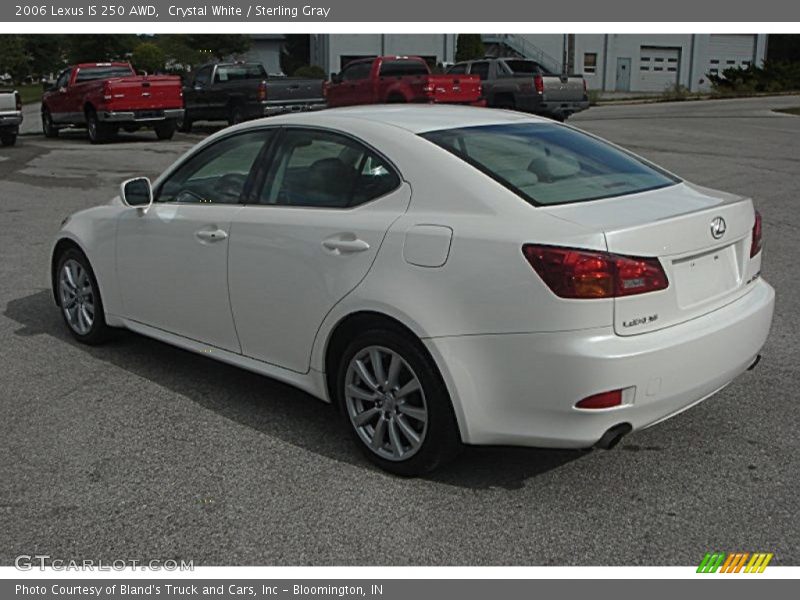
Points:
[(137, 450)]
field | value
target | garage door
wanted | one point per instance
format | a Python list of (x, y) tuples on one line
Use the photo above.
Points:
[(658, 68), (727, 51)]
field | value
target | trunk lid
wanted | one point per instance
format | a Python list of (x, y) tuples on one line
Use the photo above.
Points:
[(144, 93), (705, 271), (560, 88)]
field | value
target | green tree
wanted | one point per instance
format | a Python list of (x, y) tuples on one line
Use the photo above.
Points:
[(310, 72), (469, 46), (13, 59), (296, 52), (45, 53), (179, 54), (99, 47), (149, 57)]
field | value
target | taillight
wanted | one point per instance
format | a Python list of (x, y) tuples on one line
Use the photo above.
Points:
[(602, 400), (429, 89), (262, 91), (575, 273), (755, 244), (18, 100), (538, 83)]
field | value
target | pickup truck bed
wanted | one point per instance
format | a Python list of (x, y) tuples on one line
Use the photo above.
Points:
[(389, 79), (106, 97), (524, 85), (236, 92)]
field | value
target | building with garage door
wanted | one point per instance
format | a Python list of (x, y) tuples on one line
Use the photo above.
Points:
[(609, 62)]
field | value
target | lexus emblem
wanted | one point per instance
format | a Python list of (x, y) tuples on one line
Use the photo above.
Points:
[(718, 228)]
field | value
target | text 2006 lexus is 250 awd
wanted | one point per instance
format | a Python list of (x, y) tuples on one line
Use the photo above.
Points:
[(447, 275)]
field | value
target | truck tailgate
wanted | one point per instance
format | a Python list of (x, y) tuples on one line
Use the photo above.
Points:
[(291, 90), (454, 88), (562, 88), (143, 93)]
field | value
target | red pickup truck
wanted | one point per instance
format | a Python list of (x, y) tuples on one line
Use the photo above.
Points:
[(104, 97), (399, 79)]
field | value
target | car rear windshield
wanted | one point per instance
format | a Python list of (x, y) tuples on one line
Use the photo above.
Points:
[(240, 72), (551, 164), (92, 73), (398, 68), (524, 67)]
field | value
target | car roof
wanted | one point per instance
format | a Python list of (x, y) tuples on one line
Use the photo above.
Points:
[(416, 118)]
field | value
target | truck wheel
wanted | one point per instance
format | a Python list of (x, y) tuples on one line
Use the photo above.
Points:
[(236, 114), (99, 133), (166, 129), (8, 139), (48, 128), (185, 123)]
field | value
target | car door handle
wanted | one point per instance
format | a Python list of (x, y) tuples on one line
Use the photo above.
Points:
[(211, 235), (345, 246)]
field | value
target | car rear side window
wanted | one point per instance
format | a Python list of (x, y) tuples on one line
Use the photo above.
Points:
[(400, 68), (216, 174), (314, 168), (524, 67), (551, 164), (356, 71), (460, 69), (481, 69)]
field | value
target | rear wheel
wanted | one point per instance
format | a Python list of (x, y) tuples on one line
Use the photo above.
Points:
[(166, 129), (395, 403), (99, 132), (8, 139), (48, 128), (236, 114), (79, 298)]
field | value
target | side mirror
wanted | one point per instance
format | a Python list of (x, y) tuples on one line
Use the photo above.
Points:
[(137, 192), (336, 78)]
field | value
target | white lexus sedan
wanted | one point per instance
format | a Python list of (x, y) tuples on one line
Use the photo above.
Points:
[(446, 275)]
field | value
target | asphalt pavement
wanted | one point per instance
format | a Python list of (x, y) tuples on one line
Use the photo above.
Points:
[(138, 450)]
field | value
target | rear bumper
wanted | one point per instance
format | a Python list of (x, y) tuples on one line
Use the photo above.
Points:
[(283, 108), (521, 389), (10, 121), (543, 106), (143, 116)]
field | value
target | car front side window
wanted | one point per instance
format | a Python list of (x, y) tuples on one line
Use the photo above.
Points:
[(218, 173)]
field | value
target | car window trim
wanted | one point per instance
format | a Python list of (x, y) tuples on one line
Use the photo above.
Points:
[(258, 186)]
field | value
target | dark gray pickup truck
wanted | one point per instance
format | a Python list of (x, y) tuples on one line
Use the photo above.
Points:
[(524, 85), (236, 92)]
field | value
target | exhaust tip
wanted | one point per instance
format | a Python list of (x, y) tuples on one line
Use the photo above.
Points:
[(755, 363), (613, 436)]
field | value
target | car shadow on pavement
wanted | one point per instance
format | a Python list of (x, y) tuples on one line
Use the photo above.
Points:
[(271, 407)]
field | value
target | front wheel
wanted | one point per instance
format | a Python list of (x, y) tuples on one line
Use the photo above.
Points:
[(48, 127), (8, 139), (79, 298), (395, 403), (166, 129)]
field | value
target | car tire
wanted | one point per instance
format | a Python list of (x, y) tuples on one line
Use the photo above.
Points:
[(185, 123), (166, 129), (408, 427), (78, 298), (8, 139), (48, 128), (236, 114), (98, 132)]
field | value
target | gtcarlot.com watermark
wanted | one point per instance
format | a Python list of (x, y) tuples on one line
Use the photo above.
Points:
[(29, 562)]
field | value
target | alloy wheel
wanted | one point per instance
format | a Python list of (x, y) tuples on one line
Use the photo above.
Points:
[(386, 403), (77, 296)]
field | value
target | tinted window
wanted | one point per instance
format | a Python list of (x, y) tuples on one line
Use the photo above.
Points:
[(457, 69), (481, 69), (203, 76), (216, 174), (63, 79), (524, 67), (240, 72), (357, 71), (551, 164), (92, 73), (322, 169), (399, 68)]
